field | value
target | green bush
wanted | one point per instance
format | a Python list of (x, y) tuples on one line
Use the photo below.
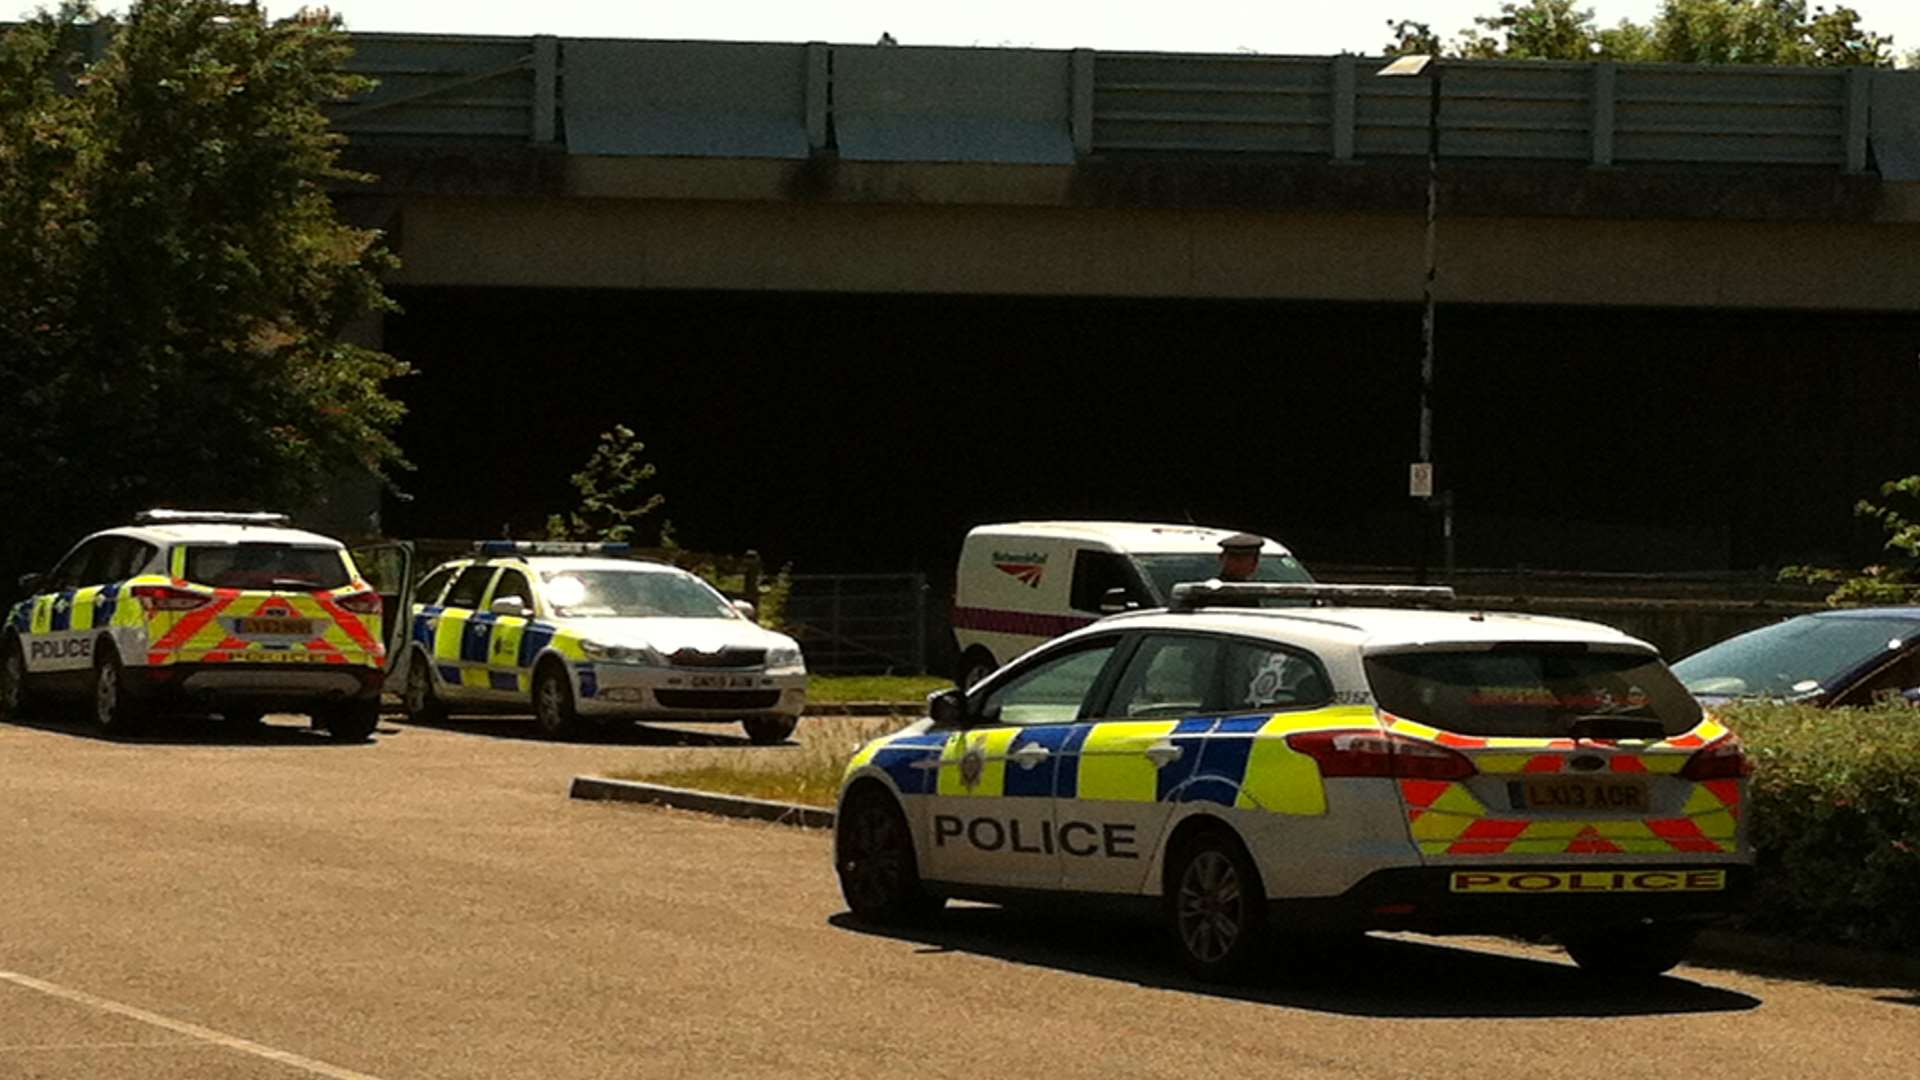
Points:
[(1834, 813)]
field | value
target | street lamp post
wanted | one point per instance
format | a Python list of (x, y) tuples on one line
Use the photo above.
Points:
[(1429, 67)]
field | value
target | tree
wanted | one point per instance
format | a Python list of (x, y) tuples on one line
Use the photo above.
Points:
[(1684, 31), (174, 279), (1411, 38), (612, 500), (1896, 581)]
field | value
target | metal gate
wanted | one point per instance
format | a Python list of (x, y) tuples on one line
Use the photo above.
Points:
[(860, 624)]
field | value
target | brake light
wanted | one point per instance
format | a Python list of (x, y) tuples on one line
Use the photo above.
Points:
[(364, 602), (168, 598), (1379, 753), (1722, 759)]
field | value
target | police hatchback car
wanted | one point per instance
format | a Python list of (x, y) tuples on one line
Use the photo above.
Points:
[(233, 613), (1369, 762), (578, 636)]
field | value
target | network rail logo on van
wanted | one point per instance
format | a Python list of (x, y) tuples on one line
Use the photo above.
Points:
[(1027, 567)]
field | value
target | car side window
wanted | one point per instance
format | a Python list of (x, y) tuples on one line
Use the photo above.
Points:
[(1169, 675), (1890, 682), (78, 569), (433, 584), (125, 558), (469, 587), (1053, 690), (1258, 676), (1094, 572), (513, 583)]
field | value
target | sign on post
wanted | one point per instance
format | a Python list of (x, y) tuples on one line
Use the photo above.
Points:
[(1420, 481)]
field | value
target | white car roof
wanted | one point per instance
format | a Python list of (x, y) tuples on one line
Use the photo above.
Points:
[(548, 564), (221, 533), (1137, 536), (1376, 629)]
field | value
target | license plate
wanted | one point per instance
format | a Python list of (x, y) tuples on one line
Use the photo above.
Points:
[(720, 682), (259, 627), (1567, 793), (1588, 881), (276, 657)]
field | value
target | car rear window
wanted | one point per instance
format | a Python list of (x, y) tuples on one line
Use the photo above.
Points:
[(266, 566), (1528, 690)]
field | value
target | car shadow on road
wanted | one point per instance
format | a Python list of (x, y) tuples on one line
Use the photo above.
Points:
[(1374, 976), (196, 731), (622, 734)]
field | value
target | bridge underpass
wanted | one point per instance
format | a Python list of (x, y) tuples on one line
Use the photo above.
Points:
[(844, 432), (857, 299)]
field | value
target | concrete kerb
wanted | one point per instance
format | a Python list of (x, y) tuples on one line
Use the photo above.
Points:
[(1715, 948), (601, 788)]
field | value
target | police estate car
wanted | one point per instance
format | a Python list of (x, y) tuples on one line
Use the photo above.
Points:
[(233, 613), (576, 635), (1325, 767)]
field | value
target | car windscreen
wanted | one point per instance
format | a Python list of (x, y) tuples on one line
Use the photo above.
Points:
[(1793, 658), (1165, 571), (629, 594), (266, 566), (1528, 690)]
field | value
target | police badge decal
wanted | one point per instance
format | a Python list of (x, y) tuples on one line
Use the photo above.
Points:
[(972, 764)]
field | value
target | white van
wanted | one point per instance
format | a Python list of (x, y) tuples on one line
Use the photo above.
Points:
[(1026, 582)]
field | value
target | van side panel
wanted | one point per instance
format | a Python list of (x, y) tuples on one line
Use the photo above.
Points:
[(1011, 593)]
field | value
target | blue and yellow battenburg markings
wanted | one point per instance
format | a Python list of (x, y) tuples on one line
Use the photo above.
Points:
[(1240, 761), (484, 650)]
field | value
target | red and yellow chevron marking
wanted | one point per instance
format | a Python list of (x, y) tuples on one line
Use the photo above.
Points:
[(200, 636), (1444, 817)]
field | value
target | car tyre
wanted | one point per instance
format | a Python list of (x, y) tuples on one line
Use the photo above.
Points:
[(423, 705), (874, 857), (1645, 951), (768, 730), (115, 712), (15, 702), (352, 722), (1216, 907), (553, 703)]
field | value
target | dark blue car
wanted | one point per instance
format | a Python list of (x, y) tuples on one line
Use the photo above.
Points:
[(1851, 656)]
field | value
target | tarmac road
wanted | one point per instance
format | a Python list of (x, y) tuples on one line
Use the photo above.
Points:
[(269, 905)]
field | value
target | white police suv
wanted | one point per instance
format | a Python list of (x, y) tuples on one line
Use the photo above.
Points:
[(209, 611), (1365, 760), (576, 634)]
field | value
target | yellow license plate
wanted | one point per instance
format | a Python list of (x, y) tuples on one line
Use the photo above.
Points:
[(1588, 881), (283, 627), (275, 657), (1564, 793)]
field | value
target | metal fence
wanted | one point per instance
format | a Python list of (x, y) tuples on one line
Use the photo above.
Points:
[(860, 624), (1029, 106)]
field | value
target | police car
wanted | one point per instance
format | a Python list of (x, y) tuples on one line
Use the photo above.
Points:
[(1365, 760), (233, 613), (577, 635)]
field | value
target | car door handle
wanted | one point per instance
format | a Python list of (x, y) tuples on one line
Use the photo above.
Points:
[(1030, 755), (1163, 754)]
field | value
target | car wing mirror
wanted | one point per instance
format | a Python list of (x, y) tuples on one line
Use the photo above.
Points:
[(508, 605), (1115, 600), (948, 708), (747, 610), (30, 583)]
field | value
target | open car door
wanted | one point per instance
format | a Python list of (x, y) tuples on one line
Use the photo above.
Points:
[(388, 567)]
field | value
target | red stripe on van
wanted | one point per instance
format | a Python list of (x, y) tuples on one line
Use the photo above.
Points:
[(1032, 624)]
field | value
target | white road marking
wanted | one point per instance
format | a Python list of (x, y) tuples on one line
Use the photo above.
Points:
[(181, 1027)]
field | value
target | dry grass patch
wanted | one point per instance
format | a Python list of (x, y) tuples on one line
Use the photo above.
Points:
[(808, 773)]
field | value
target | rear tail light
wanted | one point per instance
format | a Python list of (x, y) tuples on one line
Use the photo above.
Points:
[(1722, 759), (1379, 753), (365, 602), (167, 598)]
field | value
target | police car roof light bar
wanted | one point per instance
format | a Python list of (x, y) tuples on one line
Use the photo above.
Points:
[(551, 547), (1192, 595), (210, 517)]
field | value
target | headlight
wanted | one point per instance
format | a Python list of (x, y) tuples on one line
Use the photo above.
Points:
[(785, 660), (617, 654)]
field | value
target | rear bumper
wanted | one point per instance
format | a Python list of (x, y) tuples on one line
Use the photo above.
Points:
[(1424, 899), (249, 685)]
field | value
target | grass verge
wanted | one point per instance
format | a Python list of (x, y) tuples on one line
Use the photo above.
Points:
[(809, 775), (839, 688)]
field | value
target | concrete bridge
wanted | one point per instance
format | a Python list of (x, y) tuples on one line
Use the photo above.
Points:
[(909, 289)]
